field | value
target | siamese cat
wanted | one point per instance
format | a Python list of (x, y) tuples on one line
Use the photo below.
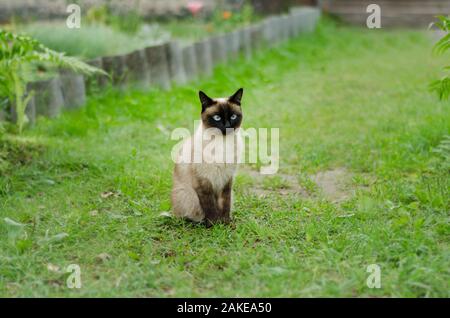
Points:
[(206, 165)]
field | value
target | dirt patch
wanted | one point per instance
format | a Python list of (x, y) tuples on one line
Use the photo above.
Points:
[(266, 185), (331, 184)]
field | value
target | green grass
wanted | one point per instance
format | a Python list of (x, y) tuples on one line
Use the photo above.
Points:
[(94, 40), (90, 41), (346, 98)]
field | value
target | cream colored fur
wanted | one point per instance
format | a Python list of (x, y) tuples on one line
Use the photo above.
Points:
[(185, 202)]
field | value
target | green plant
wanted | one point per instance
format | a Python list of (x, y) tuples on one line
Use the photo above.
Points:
[(442, 86), (97, 15), (17, 53), (129, 22), (442, 150), (226, 20)]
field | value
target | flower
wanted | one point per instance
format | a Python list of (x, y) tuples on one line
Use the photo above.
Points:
[(195, 7), (226, 15)]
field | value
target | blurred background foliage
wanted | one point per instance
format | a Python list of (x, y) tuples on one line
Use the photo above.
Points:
[(106, 31)]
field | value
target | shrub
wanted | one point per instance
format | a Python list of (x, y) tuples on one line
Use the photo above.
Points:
[(442, 86), (17, 54)]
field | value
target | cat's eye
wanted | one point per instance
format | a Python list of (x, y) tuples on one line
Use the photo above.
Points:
[(216, 117), (233, 117)]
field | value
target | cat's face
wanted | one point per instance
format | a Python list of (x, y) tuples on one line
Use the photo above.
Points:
[(222, 113)]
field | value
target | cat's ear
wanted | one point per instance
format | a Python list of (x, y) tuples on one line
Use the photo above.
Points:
[(205, 100), (236, 97)]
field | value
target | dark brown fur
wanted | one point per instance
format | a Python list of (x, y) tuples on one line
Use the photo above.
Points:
[(208, 200), (221, 108), (216, 206), (225, 202)]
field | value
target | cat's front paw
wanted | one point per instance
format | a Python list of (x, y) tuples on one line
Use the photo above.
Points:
[(224, 220), (209, 223)]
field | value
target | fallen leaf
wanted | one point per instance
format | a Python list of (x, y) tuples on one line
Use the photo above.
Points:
[(49, 181), (346, 215), (53, 268), (103, 257), (106, 194)]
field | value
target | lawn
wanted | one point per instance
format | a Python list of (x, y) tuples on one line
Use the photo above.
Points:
[(363, 179)]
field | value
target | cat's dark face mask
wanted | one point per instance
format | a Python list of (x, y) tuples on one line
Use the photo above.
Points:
[(224, 114)]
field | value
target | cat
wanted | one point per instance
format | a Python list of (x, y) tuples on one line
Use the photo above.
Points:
[(202, 189)]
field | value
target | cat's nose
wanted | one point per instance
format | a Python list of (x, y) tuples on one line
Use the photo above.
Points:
[(227, 124)]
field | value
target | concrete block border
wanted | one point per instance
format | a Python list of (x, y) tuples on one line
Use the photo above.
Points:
[(167, 63)]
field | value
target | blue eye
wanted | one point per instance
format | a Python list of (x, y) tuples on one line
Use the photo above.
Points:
[(233, 117), (216, 117)]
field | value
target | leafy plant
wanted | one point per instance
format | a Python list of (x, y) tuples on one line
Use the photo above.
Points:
[(129, 22), (17, 54), (442, 86), (443, 152), (227, 19)]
